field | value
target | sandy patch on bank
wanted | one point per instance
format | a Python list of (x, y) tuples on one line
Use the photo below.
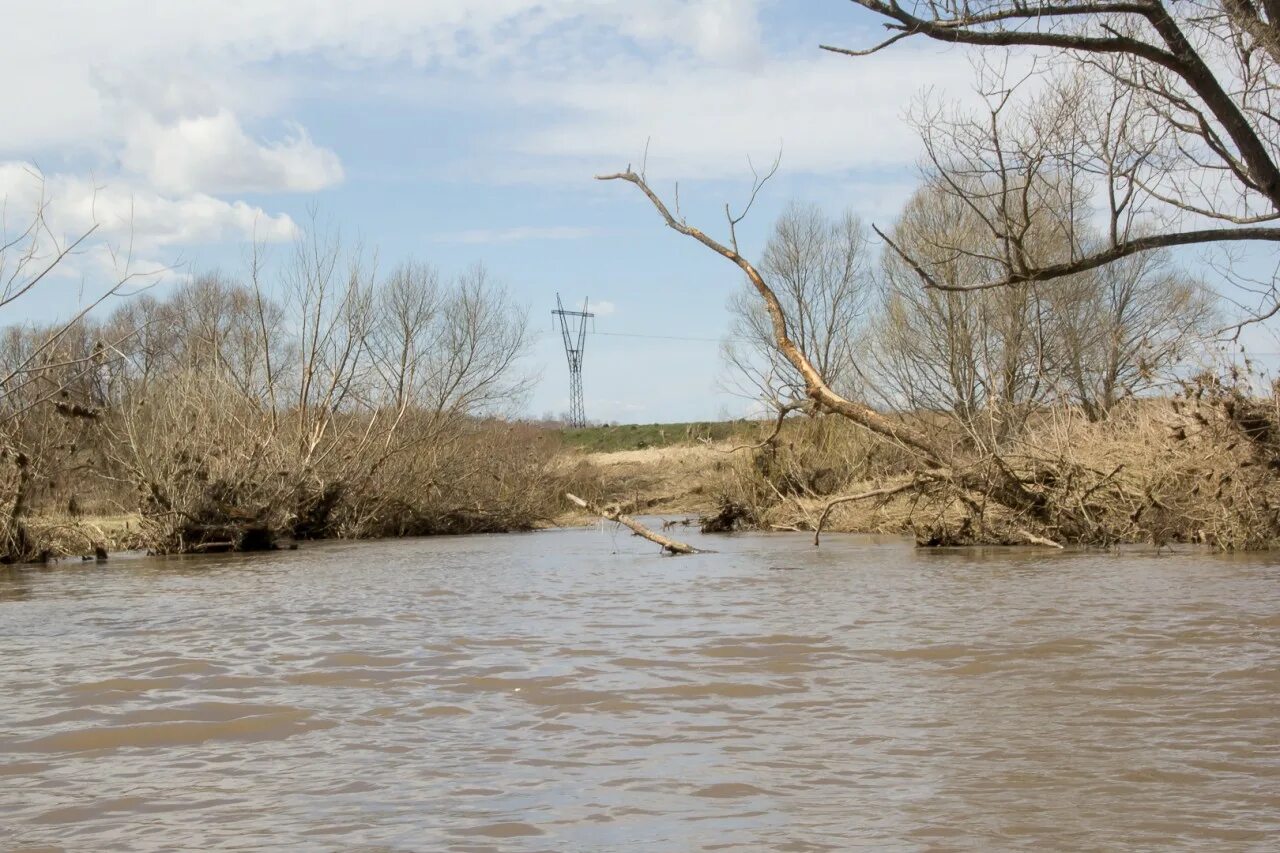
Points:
[(698, 455), (656, 480)]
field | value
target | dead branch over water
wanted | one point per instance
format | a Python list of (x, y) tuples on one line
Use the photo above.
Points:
[(1010, 339), (612, 513), (861, 496)]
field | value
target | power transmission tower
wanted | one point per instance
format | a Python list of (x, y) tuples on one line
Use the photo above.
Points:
[(575, 340)]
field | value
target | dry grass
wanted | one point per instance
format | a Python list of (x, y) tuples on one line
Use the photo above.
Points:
[(676, 479), (1197, 467), (60, 536)]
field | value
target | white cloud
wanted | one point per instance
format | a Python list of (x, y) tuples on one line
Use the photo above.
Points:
[(603, 308), (193, 56), (165, 103), (132, 235), (825, 113), (82, 61), (511, 235), (165, 89), (131, 215), (718, 30), (164, 93), (213, 154)]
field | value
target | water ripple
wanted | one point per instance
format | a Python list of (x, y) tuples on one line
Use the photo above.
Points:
[(574, 691)]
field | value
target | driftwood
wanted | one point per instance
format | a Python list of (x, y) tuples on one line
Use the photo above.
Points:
[(1038, 540), (613, 514)]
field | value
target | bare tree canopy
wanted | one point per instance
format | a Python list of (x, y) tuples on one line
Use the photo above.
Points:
[(1171, 123), (974, 355), (991, 357), (820, 268)]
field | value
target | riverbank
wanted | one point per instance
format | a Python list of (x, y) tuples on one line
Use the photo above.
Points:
[(684, 481), (680, 482), (1157, 472)]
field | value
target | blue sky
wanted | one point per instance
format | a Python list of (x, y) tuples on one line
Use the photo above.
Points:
[(455, 132)]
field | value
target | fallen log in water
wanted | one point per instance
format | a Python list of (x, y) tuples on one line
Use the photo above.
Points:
[(613, 514), (1038, 540)]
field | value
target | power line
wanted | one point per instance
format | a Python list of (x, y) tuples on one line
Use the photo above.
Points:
[(659, 337), (654, 337)]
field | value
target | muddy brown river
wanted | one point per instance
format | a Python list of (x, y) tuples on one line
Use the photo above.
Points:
[(572, 691)]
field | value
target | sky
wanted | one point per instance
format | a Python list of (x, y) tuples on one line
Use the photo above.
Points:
[(455, 132)]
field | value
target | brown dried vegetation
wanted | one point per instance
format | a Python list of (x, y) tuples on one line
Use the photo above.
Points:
[(233, 415)]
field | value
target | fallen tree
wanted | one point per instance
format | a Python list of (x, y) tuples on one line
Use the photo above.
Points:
[(613, 513), (986, 476)]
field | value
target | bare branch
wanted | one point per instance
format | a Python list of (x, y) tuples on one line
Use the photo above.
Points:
[(614, 514), (882, 493), (783, 411)]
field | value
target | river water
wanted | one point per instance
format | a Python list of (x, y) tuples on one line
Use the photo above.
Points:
[(572, 690)]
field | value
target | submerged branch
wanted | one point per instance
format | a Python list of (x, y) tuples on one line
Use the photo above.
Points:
[(1033, 539), (613, 514)]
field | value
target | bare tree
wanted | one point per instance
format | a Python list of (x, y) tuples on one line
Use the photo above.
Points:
[(481, 338), (1124, 329), (992, 357), (1004, 187), (49, 386), (1174, 125), (328, 294), (407, 321), (820, 270), (210, 322), (145, 345), (977, 356)]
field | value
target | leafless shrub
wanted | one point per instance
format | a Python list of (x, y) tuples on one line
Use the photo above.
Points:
[(350, 407), (208, 471)]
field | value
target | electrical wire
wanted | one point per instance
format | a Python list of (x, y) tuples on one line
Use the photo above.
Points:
[(650, 337), (658, 337)]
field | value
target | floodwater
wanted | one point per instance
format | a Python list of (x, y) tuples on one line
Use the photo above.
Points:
[(572, 690)]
